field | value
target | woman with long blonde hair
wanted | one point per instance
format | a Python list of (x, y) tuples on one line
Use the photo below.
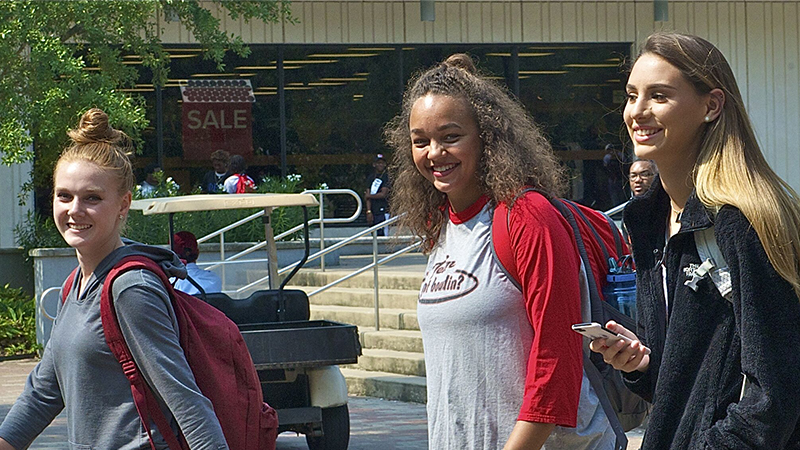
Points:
[(724, 371)]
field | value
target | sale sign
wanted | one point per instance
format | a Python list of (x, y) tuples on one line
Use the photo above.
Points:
[(217, 114)]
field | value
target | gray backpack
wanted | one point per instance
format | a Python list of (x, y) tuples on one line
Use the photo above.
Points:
[(714, 266)]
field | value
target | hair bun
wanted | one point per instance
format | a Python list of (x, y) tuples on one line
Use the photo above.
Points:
[(461, 61), (94, 127)]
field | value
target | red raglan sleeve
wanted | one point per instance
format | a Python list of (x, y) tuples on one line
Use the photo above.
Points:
[(547, 263)]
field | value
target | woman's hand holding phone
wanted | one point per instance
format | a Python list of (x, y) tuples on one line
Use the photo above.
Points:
[(626, 355)]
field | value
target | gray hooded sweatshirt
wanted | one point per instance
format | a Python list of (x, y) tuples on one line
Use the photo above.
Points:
[(78, 371)]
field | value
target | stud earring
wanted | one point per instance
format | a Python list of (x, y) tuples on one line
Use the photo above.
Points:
[(707, 119), (121, 217)]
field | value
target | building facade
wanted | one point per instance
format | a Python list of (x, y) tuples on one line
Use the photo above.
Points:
[(321, 88), (760, 39)]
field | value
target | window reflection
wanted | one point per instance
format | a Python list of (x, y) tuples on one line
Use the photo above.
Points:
[(339, 97)]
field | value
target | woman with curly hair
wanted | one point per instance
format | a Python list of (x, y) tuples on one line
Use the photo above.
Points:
[(504, 370), (685, 111)]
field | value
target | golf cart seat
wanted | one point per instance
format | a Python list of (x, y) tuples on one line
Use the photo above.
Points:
[(263, 306)]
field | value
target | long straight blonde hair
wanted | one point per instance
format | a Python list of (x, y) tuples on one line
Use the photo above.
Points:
[(731, 169)]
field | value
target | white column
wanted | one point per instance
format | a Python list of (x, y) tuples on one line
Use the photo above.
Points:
[(11, 180)]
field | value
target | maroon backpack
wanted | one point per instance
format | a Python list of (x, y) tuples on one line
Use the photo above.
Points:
[(217, 355)]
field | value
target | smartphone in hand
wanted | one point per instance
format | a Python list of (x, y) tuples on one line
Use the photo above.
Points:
[(594, 330)]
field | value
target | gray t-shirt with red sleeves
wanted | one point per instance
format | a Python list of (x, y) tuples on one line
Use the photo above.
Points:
[(477, 340)]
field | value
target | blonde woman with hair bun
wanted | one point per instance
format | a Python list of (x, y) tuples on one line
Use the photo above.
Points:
[(78, 373), (724, 372)]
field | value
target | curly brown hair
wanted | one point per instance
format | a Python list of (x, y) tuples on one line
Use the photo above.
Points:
[(515, 153)]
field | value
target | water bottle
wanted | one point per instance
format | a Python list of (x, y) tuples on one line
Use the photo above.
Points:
[(620, 288)]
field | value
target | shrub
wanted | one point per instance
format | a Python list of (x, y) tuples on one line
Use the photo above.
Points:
[(153, 229), (39, 231), (17, 323)]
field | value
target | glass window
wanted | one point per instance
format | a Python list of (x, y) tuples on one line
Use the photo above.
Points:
[(575, 93), (338, 99)]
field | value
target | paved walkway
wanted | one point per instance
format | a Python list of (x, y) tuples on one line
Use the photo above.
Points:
[(374, 423)]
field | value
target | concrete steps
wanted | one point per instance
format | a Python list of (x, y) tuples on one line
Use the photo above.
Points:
[(392, 364), (386, 385), (400, 340), (398, 319), (392, 361), (364, 297), (388, 279)]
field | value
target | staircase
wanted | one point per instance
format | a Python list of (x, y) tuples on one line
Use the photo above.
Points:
[(392, 365)]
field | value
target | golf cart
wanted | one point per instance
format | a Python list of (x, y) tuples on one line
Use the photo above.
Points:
[(296, 358)]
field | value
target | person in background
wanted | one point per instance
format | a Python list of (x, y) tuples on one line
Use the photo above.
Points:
[(684, 110), (214, 180), (150, 182), (641, 176), (377, 196), (504, 369), (78, 373), (239, 182), (184, 244)]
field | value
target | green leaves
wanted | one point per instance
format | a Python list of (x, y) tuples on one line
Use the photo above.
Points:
[(40, 232), (37, 231), (60, 58), (17, 322)]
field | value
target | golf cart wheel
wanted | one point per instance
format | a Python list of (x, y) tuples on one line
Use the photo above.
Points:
[(335, 428)]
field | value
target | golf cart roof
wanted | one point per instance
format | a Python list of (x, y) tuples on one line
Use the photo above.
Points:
[(208, 202)]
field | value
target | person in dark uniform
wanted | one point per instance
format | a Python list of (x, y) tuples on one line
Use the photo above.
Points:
[(214, 180)]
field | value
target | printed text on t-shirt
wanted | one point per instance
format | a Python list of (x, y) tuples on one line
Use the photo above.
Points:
[(445, 282)]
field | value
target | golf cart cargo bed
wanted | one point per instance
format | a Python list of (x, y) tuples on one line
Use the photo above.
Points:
[(296, 358), (308, 343)]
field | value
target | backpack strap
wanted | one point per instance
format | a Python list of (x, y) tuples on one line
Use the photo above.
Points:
[(501, 234), (146, 404), (715, 267), (575, 209), (595, 298), (596, 380), (617, 237), (65, 290), (713, 263)]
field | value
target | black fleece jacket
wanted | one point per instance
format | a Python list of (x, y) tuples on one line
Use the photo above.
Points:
[(701, 344)]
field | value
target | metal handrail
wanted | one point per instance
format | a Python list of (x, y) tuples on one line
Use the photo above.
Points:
[(42, 308), (376, 263), (230, 227), (617, 209), (321, 221), (373, 265), (322, 253)]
